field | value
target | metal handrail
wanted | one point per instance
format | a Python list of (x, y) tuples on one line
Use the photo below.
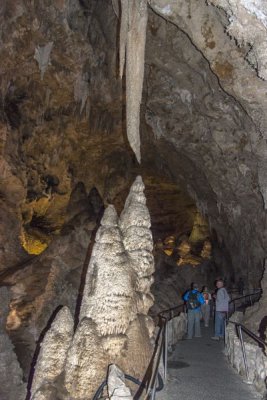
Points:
[(240, 327), (161, 350), (249, 295)]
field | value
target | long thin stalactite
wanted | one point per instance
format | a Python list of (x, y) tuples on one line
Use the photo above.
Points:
[(133, 17)]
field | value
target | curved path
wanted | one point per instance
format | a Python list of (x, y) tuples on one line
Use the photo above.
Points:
[(198, 370)]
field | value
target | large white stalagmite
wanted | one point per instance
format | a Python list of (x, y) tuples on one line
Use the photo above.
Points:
[(114, 326), (132, 47), (110, 282)]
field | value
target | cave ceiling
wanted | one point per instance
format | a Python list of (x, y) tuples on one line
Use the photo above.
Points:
[(202, 121)]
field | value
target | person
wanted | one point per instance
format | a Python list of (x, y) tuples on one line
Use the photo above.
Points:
[(194, 299), (221, 309), (205, 308)]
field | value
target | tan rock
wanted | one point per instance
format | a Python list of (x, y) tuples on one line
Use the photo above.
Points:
[(86, 363), (53, 352)]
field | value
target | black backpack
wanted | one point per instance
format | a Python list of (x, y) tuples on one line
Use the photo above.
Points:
[(192, 302)]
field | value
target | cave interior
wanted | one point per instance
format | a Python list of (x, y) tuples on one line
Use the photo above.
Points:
[(65, 155)]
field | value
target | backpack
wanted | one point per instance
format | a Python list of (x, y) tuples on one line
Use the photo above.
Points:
[(192, 302)]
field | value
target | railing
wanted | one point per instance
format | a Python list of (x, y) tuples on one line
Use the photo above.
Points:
[(161, 351), (240, 329), (149, 386), (245, 300)]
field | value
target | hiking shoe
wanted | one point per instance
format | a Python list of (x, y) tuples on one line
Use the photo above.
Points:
[(215, 338)]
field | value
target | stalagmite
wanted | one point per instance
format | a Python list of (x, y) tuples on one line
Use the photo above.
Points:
[(132, 43), (86, 363), (135, 225), (113, 323), (109, 289), (53, 352)]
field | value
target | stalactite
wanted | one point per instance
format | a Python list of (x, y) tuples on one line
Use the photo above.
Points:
[(132, 44)]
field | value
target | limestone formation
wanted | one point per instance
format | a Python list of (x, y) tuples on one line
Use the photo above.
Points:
[(11, 384), (132, 43), (138, 350), (135, 225), (53, 351), (86, 364), (203, 126), (110, 281), (117, 290), (117, 388), (248, 25), (113, 323)]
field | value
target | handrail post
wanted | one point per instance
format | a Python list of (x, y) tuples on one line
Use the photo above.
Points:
[(153, 394), (243, 350), (166, 352)]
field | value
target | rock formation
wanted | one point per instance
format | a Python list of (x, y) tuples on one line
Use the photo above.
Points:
[(63, 123), (117, 388), (11, 383), (132, 48), (53, 352), (113, 323)]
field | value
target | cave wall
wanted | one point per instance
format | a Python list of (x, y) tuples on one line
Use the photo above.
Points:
[(208, 137)]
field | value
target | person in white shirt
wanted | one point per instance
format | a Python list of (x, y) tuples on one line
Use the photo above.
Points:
[(205, 308)]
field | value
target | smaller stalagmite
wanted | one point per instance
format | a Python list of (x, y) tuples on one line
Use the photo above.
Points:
[(53, 352), (86, 363)]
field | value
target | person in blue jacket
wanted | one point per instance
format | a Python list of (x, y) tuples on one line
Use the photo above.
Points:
[(194, 299)]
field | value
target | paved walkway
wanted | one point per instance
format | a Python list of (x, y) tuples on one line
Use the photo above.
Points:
[(198, 370)]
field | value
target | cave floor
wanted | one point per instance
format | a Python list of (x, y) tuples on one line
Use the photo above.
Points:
[(198, 369)]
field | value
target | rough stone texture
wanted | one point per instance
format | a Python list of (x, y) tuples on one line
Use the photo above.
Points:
[(177, 328), (117, 289), (138, 350), (203, 133), (53, 351), (113, 321), (51, 279), (171, 281), (257, 360), (135, 56), (11, 384), (86, 363), (117, 388), (248, 25), (107, 301)]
